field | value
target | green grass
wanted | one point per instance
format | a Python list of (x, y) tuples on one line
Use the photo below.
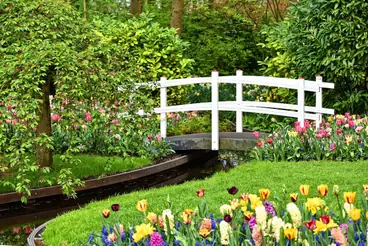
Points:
[(74, 227), (90, 166)]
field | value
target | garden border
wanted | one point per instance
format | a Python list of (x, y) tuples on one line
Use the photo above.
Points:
[(95, 183), (32, 237)]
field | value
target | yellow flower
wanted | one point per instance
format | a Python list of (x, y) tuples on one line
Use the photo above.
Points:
[(349, 197), (304, 189), (340, 116), (365, 187), (226, 209), (204, 233), (314, 204), (320, 226), (294, 197), (290, 233), (366, 215), (348, 139), (186, 218), (142, 231), (323, 189), (292, 134), (247, 214), (329, 118), (152, 217), (141, 206), (355, 214), (255, 201), (264, 193), (234, 203), (158, 117)]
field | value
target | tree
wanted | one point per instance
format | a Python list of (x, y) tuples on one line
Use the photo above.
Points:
[(135, 7), (177, 15)]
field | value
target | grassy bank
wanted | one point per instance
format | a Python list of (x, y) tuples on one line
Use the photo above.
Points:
[(73, 228), (90, 166)]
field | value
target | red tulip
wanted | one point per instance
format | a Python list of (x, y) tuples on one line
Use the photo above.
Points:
[(200, 192), (259, 144), (269, 141), (325, 219), (311, 225)]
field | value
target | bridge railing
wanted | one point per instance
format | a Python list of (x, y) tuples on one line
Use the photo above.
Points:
[(299, 110)]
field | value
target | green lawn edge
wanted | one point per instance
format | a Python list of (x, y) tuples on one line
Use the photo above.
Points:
[(74, 227)]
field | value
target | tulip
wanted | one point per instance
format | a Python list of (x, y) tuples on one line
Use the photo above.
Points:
[(264, 193), (366, 215), (244, 197), (248, 215), (106, 213), (141, 206), (294, 197), (311, 225), (323, 189), (228, 218), (256, 134), (16, 229), (204, 233), (290, 233), (355, 214), (234, 203), (336, 190), (325, 219), (349, 197), (200, 192), (259, 144), (304, 189), (233, 190), (115, 207), (186, 218), (27, 230)]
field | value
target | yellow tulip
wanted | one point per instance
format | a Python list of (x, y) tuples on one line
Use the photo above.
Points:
[(247, 214), (304, 189), (322, 226), (294, 197), (141, 206), (264, 193), (204, 233), (349, 197), (254, 201), (290, 233), (323, 189), (348, 139), (355, 214), (234, 203), (314, 204)]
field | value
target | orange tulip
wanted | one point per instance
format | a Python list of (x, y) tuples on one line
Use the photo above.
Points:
[(186, 218), (290, 233), (294, 197), (141, 206), (204, 233), (355, 214), (264, 193), (244, 197), (304, 189), (323, 189), (349, 197)]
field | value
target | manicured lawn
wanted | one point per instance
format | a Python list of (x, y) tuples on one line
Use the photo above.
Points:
[(73, 228), (90, 166)]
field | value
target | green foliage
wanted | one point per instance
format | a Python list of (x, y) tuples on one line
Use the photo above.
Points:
[(75, 227), (224, 40)]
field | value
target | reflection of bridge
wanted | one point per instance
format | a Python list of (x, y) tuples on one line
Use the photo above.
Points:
[(215, 140)]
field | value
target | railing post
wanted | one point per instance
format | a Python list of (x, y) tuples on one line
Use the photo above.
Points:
[(215, 113), (319, 100), (239, 99), (301, 101), (163, 99)]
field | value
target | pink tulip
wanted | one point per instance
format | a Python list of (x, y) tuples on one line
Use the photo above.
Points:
[(149, 137), (178, 117), (300, 129), (27, 230), (76, 126), (9, 107), (338, 122), (14, 122), (318, 135), (55, 117), (159, 137), (115, 122), (306, 124), (332, 147), (351, 123), (16, 229), (256, 134), (88, 116), (327, 125), (8, 121)]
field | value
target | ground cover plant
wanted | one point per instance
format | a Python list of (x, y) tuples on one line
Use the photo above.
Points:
[(340, 137), (89, 166), (282, 177)]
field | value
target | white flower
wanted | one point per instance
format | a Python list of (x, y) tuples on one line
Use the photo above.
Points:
[(261, 216), (225, 230), (276, 224), (167, 213), (295, 214), (226, 209)]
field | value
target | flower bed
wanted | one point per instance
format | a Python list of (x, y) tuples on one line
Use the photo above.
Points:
[(292, 219), (342, 137)]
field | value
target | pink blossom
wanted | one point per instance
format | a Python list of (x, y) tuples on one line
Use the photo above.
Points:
[(27, 230), (347, 114), (189, 115), (14, 122), (115, 122), (338, 122), (332, 147), (344, 121), (8, 121), (16, 229), (9, 107), (88, 116), (318, 135), (256, 134), (300, 129), (159, 137), (172, 115), (296, 124), (64, 102), (55, 117), (358, 129), (149, 137), (178, 117), (327, 125), (351, 123), (76, 126), (257, 236), (306, 124)]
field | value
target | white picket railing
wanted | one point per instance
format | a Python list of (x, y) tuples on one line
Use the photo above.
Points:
[(299, 111)]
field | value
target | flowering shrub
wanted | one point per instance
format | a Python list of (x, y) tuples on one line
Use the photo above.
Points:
[(248, 220), (342, 137)]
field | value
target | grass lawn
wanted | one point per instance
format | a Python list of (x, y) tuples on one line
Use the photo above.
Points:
[(90, 166), (73, 228)]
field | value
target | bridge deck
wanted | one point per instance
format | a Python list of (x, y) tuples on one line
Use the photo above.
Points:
[(202, 141)]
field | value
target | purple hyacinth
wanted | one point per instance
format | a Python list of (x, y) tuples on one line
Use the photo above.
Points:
[(252, 222), (269, 208), (156, 239)]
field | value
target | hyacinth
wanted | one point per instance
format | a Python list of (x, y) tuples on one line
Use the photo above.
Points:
[(257, 236), (276, 224), (269, 208), (261, 216), (338, 236), (225, 230), (295, 214), (156, 239)]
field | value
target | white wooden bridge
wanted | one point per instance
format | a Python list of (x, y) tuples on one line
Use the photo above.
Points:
[(299, 110)]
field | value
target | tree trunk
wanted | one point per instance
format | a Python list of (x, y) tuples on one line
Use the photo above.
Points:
[(44, 154), (217, 4), (177, 15), (135, 7)]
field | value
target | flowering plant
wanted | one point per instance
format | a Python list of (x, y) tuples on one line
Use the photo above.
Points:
[(341, 137), (250, 220)]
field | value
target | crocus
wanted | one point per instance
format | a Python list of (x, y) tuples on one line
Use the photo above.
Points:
[(323, 189), (233, 190), (290, 233), (115, 207), (200, 192), (349, 197), (355, 214), (264, 193), (294, 197), (141, 206), (304, 189), (106, 213)]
